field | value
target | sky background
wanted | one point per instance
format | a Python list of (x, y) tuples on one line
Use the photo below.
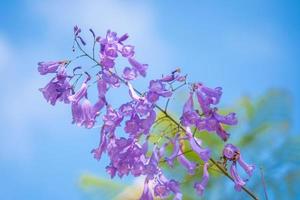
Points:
[(247, 48)]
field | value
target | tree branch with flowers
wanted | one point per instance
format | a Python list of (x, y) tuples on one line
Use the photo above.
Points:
[(127, 130)]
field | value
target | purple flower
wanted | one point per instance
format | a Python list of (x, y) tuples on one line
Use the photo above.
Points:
[(132, 126), (200, 186), (85, 113), (110, 78), (79, 94), (189, 165), (176, 148), (231, 152), (112, 119), (174, 76), (189, 116), (129, 74), (146, 195), (140, 68), (239, 182), (102, 148), (49, 67), (214, 121), (161, 190), (56, 90), (207, 96), (159, 88), (102, 88), (126, 109), (127, 51), (248, 168), (203, 153)]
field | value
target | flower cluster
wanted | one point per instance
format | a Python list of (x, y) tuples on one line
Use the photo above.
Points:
[(130, 151)]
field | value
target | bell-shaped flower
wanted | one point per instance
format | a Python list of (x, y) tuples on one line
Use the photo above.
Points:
[(247, 167), (176, 147), (140, 68), (189, 165), (189, 116), (200, 186), (239, 182), (203, 153), (49, 67), (146, 195), (208, 96), (129, 74)]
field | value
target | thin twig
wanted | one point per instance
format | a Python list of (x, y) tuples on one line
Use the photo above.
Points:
[(264, 183)]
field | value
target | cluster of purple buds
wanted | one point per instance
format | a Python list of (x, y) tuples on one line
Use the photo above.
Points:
[(129, 150)]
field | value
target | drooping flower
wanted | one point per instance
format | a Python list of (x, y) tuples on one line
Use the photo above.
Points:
[(203, 153), (176, 147), (239, 182), (207, 97), (200, 186), (189, 165), (214, 121), (232, 153), (112, 119), (140, 68), (56, 90), (49, 67), (247, 167), (189, 116), (146, 195)]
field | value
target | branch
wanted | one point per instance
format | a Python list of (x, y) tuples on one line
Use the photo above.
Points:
[(174, 121)]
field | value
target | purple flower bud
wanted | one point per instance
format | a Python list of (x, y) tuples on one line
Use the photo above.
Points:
[(200, 186), (81, 40), (123, 38), (93, 33), (77, 30)]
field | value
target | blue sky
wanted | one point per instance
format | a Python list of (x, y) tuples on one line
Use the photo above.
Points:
[(247, 48)]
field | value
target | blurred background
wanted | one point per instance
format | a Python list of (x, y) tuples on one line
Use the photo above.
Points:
[(250, 48)]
